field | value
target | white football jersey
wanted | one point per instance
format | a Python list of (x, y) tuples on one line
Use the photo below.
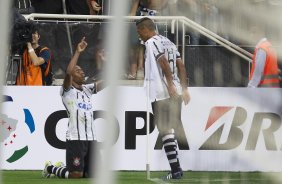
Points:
[(156, 47), (80, 111)]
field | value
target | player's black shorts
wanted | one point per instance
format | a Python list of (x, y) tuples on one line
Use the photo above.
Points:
[(167, 114), (80, 156)]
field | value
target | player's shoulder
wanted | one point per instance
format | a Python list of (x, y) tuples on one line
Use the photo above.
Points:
[(43, 48), (88, 86), (44, 51), (149, 41), (155, 40), (66, 92), (91, 88)]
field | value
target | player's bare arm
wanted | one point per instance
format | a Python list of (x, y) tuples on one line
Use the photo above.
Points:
[(68, 78), (134, 7), (96, 7), (168, 75), (183, 81)]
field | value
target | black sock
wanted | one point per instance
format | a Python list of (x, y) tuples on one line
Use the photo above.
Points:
[(170, 146), (61, 172)]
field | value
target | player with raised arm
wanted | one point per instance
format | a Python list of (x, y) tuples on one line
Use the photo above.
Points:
[(80, 136)]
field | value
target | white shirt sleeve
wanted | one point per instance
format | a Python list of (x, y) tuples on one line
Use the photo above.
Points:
[(91, 87), (259, 68), (64, 92), (157, 49)]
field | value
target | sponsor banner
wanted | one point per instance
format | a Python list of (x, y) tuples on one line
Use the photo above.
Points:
[(223, 129)]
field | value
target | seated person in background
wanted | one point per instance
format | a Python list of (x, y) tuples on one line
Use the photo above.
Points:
[(84, 7), (152, 7), (100, 59), (94, 7), (36, 63)]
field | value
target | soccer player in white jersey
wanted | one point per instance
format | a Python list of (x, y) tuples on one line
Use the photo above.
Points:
[(165, 75), (80, 137)]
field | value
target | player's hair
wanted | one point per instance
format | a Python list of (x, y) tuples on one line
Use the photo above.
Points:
[(146, 22)]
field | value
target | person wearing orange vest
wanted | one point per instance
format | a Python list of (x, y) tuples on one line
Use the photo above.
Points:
[(264, 71), (36, 61)]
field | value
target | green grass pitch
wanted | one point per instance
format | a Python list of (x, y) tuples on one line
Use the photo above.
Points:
[(126, 177)]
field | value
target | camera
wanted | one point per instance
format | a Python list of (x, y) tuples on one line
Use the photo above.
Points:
[(21, 33)]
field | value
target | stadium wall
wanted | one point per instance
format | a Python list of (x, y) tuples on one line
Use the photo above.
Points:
[(225, 129)]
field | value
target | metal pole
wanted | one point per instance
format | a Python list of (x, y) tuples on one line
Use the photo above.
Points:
[(227, 44), (228, 47), (177, 34), (5, 16), (115, 35), (148, 129), (68, 28), (199, 27), (148, 80), (183, 42)]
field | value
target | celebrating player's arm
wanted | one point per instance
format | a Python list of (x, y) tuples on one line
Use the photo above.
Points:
[(68, 78), (183, 80), (168, 75)]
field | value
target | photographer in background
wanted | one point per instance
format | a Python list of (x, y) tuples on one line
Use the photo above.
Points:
[(35, 68)]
